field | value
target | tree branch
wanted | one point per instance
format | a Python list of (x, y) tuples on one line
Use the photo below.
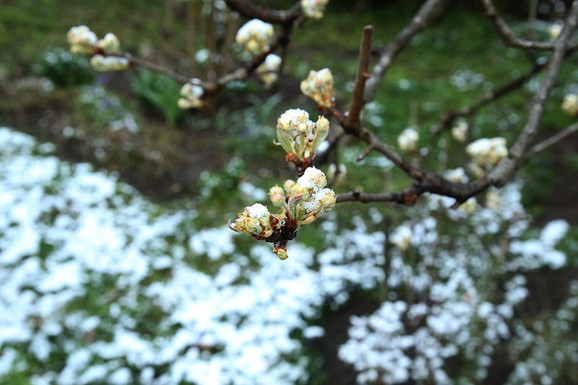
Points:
[(353, 121), (508, 36), (550, 141), (251, 11), (428, 12)]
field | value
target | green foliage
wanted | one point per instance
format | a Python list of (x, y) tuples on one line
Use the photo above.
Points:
[(160, 92), (63, 68)]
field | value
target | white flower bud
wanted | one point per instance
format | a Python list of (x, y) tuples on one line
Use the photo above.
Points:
[(109, 43), (460, 131), (191, 95), (255, 36), (109, 63), (401, 237), (319, 87), (570, 104), (81, 39), (313, 8), (408, 139), (268, 70)]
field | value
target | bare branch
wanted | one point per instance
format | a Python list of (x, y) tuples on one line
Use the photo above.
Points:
[(550, 141), (508, 36), (353, 121), (428, 12), (251, 11), (502, 173)]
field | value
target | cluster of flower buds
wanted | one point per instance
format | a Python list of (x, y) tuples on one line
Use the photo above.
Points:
[(305, 199), (313, 9), (319, 87), (299, 136), (408, 139), (460, 131), (301, 202), (256, 221), (486, 153), (570, 104), (191, 94), (255, 36), (106, 51), (268, 70)]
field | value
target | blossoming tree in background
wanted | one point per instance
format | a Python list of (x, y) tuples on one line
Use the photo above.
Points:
[(417, 337)]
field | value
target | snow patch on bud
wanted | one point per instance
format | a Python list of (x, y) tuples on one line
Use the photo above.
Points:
[(255, 36), (257, 211), (312, 178)]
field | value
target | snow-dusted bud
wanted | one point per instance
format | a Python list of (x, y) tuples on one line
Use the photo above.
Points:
[(191, 95), (460, 131), (319, 87), (109, 63), (81, 39), (109, 43), (554, 31), (255, 220), (268, 71), (570, 104), (486, 153), (300, 136), (313, 9), (408, 139), (255, 36), (401, 237), (308, 198)]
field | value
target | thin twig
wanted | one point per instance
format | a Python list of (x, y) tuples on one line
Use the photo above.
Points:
[(547, 143)]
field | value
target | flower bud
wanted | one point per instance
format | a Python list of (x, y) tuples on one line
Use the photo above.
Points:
[(81, 39), (191, 95), (460, 131), (300, 136), (313, 9), (486, 153), (255, 36), (109, 43), (268, 70), (319, 86), (408, 139), (402, 237), (254, 221), (277, 196), (288, 185), (570, 104), (281, 252), (109, 63)]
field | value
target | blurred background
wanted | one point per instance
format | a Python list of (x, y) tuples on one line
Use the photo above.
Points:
[(116, 264)]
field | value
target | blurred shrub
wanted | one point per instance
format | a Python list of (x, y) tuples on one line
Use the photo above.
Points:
[(160, 92), (63, 68)]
